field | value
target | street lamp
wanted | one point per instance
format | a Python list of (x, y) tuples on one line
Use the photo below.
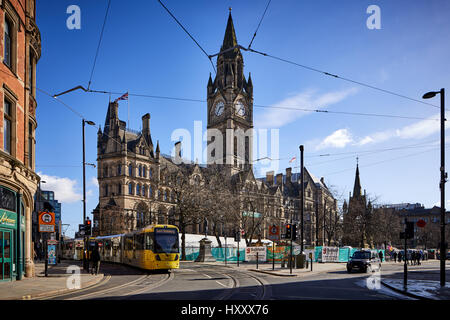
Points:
[(429, 95), (91, 123)]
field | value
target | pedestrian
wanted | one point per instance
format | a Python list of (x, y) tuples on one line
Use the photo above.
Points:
[(95, 258), (380, 254), (419, 256), (395, 256), (413, 258)]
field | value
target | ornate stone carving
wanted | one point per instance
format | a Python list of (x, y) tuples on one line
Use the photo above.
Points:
[(35, 37)]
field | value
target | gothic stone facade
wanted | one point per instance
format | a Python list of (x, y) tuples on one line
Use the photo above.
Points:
[(135, 179)]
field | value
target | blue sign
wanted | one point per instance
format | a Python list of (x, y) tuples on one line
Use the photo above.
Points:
[(51, 254)]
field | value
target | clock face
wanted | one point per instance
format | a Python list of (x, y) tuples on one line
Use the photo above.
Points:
[(219, 108), (240, 108)]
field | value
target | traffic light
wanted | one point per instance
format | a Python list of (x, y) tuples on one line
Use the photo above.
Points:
[(237, 236), (87, 227), (288, 231), (294, 232), (409, 230)]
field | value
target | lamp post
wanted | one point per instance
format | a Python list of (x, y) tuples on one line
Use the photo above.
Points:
[(442, 249), (84, 186), (302, 203)]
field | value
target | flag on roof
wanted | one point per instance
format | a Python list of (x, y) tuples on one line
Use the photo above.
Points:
[(292, 160), (123, 97)]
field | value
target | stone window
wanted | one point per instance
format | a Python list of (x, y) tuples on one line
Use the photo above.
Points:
[(144, 173), (8, 121), (140, 170), (130, 188), (119, 169), (130, 170), (150, 192), (8, 43)]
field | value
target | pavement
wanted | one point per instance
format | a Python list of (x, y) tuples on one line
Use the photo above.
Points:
[(59, 280), (422, 282)]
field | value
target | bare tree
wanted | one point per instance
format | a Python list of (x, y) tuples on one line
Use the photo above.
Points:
[(189, 198)]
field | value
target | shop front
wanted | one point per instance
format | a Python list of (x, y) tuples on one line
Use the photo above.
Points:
[(11, 239)]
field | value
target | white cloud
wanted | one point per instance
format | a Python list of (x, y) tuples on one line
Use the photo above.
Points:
[(338, 139), (64, 188), (93, 182), (418, 130), (280, 115)]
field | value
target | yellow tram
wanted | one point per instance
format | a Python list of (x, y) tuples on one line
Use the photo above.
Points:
[(151, 248)]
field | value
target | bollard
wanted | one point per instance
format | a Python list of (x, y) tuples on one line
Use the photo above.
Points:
[(257, 256)]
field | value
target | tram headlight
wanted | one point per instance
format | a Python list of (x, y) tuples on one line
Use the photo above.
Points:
[(176, 257)]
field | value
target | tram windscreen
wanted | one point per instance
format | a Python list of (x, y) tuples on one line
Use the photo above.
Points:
[(166, 241)]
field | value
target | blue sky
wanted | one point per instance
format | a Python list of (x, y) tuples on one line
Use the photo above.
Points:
[(145, 52)]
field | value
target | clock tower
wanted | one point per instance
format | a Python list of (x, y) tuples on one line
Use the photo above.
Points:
[(230, 108)]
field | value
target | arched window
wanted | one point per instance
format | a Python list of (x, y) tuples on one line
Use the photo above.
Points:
[(140, 170), (138, 190), (150, 192), (159, 194), (130, 188), (145, 172), (119, 169), (130, 170), (165, 195), (150, 172), (144, 191)]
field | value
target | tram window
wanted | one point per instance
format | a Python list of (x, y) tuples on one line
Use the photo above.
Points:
[(149, 241), (139, 241)]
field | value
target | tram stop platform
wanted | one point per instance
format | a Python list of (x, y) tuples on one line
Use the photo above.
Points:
[(59, 280)]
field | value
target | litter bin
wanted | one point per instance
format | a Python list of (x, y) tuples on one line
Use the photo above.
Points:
[(301, 260)]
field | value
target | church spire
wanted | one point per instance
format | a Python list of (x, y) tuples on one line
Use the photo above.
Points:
[(230, 40), (357, 187)]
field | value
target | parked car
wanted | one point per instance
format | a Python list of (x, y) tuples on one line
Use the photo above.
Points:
[(364, 261)]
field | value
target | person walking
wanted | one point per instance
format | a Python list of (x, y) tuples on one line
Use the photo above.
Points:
[(95, 258), (380, 255), (395, 256)]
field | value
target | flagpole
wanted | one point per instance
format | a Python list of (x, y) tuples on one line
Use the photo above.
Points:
[(128, 105)]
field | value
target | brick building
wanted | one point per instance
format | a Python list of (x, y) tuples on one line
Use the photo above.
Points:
[(20, 50)]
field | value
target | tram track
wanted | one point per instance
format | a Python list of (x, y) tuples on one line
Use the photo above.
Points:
[(262, 290)]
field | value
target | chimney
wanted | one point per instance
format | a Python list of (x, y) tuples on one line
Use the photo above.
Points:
[(322, 180), (288, 175), (146, 123), (269, 178), (279, 179), (177, 155)]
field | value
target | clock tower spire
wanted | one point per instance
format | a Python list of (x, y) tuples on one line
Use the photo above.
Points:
[(230, 107)]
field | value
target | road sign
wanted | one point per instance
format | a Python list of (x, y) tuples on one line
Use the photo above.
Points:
[(46, 222), (274, 233)]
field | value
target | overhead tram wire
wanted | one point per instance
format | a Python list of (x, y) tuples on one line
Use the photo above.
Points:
[(339, 77), (427, 143), (292, 108), (98, 46), (78, 114), (187, 32), (388, 160), (259, 24)]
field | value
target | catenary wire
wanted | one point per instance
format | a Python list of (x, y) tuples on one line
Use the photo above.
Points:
[(291, 108), (187, 32), (98, 46), (338, 77), (259, 24)]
